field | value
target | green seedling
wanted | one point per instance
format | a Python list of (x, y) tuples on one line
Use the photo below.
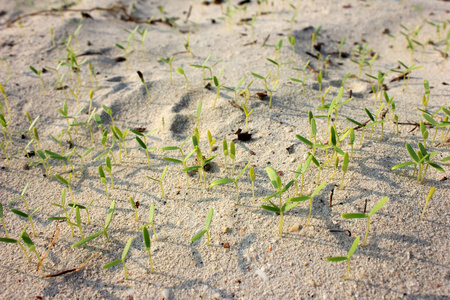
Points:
[(3, 92), (197, 115), (207, 225), (151, 216), (218, 86), (253, 178), (225, 151), (281, 208), (86, 208), (229, 180), (291, 40), (5, 129), (421, 161), (103, 179), (232, 154), (160, 180), (141, 77), (65, 113), (78, 220), (169, 62), (183, 162), (347, 258), (38, 73), (429, 196), (181, 72), (134, 207), (247, 114), (314, 37), (44, 162), (2, 145), (120, 136), (3, 222), (125, 53), (31, 247), (63, 207), (108, 168), (122, 260), (143, 34), (344, 169), (92, 75), (211, 142), (433, 123), (371, 61), (82, 156), (143, 144), (235, 89), (362, 216), (310, 198), (148, 245), (271, 92), (105, 226), (67, 182), (76, 96), (21, 196), (14, 241), (251, 23), (201, 163), (204, 66), (426, 95), (263, 78), (341, 45), (406, 73), (303, 82), (28, 216), (183, 157)]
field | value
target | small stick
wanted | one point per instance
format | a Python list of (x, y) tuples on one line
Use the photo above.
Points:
[(73, 269), (345, 230), (365, 205), (188, 14), (331, 195), (265, 40)]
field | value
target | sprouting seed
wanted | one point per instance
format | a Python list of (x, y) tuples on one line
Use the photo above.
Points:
[(3, 92), (370, 214), (67, 182), (197, 115), (207, 225), (148, 245), (160, 180), (236, 88), (133, 206), (21, 196), (141, 76), (247, 114), (347, 258), (5, 125), (225, 151), (38, 73), (310, 198), (429, 196), (143, 144), (151, 216), (181, 72), (63, 207), (271, 92), (108, 168), (28, 216), (14, 241), (211, 142), (78, 220), (2, 145), (229, 180), (218, 86), (124, 51), (232, 154), (122, 260), (86, 208), (341, 44)]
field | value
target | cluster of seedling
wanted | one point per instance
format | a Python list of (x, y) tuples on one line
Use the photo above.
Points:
[(113, 138)]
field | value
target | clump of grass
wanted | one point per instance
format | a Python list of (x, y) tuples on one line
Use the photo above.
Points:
[(28, 216), (38, 73), (229, 180), (181, 72), (206, 230), (363, 215), (160, 180), (122, 259), (141, 77), (347, 258), (429, 196), (21, 196)]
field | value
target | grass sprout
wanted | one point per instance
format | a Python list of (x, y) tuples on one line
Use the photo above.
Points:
[(134, 207), (148, 245), (429, 196), (31, 247), (28, 216), (151, 217), (181, 72), (141, 77), (38, 73), (103, 179), (21, 196), (169, 62), (362, 215), (310, 198), (122, 259), (206, 230), (160, 180), (347, 258), (229, 180), (3, 222), (236, 88)]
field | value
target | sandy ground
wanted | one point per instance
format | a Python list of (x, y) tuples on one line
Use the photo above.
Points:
[(405, 258)]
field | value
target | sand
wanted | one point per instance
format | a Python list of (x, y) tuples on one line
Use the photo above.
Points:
[(246, 258)]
